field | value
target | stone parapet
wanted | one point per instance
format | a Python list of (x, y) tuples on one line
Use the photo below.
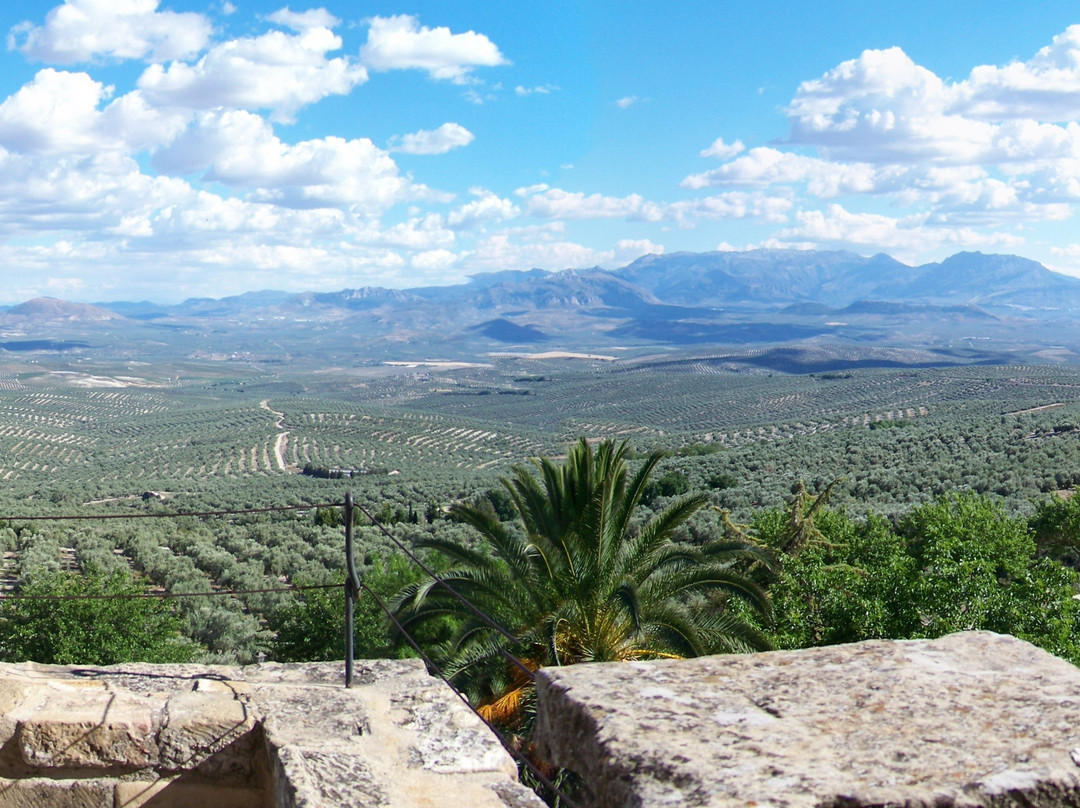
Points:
[(168, 736), (972, 719)]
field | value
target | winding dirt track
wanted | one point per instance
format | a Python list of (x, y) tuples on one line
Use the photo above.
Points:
[(282, 438)]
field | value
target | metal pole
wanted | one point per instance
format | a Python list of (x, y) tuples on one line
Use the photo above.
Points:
[(352, 589)]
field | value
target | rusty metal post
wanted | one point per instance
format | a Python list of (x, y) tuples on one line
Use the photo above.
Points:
[(352, 589)]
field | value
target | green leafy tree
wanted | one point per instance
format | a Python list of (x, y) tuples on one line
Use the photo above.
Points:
[(673, 484), (328, 517), (579, 581), (1056, 525), (977, 569), (955, 564), (846, 585), (312, 627), (66, 627)]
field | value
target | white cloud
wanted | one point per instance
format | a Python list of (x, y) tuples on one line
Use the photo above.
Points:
[(627, 250), (438, 141), (882, 107), (555, 203), (627, 101), (419, 233), (542, 89), (434, 260), (908, 235), (1046, 88), (400, 42), (276, 71), (84, 30), (1070, 253), (486, 207), (731, 205), (515, 250), (724, 151), (58, 113), (240, 149), (304, 20), (559, 204), (989, 150), (759, 167)]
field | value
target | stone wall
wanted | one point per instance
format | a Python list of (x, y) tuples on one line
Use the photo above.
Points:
[(972, 719), (167, 736)]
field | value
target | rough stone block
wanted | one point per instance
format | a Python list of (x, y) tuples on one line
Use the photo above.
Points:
[(167, 736), (43, 793), (204, 728), (449, 738), (974, 719), (317, 779), (171, 793), (76, 725)]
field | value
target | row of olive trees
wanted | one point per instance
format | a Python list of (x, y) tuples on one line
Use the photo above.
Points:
[(566, 558)]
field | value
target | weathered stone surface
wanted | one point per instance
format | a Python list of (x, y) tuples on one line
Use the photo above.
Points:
[(449, 736), (398, 737), (972, 719), (72, 725), (44, 793), (161, 736), (174, 793), (206, 729), (323, 779)]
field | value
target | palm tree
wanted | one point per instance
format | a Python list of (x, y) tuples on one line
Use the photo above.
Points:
[(580, 581)]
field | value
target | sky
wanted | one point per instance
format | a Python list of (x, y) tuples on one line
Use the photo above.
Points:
[(165, 150)]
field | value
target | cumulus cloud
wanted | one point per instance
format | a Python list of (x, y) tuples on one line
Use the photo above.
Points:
[(104, 198), (723, 150), (59, 113), (762, 166), (905, 235), (629, 249), (401, 42), (56, 112), (517, 250), (447, 137), (731, 205), (434, 260), (882, 107), (275, 71), (999, 147), (304, 20), (1045, 88), (556, 203), (486, 207), (239, 149), (85, 30), (627, 101)]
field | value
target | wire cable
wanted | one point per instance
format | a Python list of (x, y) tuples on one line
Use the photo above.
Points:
[(468, 603), (167, 595), (164, 514), (509, 747)]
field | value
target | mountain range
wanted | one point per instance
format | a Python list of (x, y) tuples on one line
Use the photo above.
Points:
[(758, 297)]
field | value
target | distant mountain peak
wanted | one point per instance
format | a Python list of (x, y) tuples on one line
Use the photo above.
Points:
[(51, 308)]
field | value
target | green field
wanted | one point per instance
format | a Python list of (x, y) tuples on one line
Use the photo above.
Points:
[(192, 437)]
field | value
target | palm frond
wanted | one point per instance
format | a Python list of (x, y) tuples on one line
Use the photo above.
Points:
[(579, 581), (626, 597), (671, 583)]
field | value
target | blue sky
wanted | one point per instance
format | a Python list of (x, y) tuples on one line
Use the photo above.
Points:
[(163, 150)]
